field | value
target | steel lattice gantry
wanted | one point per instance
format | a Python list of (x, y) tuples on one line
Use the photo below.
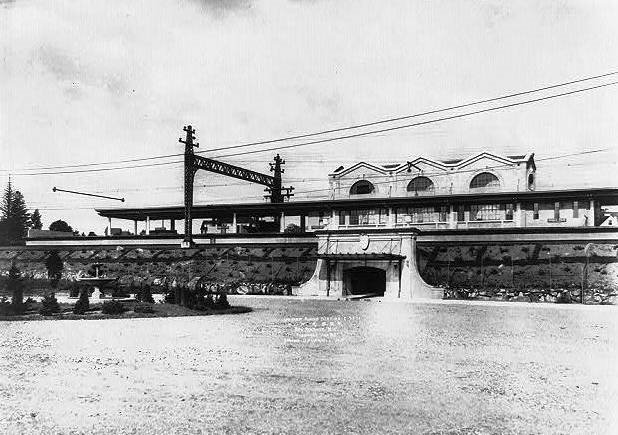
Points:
[(192, 163)]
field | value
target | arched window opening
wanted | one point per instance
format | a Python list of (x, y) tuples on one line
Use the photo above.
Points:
[(485, 181), (362, 187), (421, 186)]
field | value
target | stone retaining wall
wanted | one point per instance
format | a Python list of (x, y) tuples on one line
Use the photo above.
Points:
[(550, 272), (165, 267)]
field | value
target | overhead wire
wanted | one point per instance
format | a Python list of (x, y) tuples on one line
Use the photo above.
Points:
[(320, 141), (416, 124), (367, 176), (333, 130)]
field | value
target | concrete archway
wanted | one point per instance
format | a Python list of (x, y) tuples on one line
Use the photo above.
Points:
[(362, 280)]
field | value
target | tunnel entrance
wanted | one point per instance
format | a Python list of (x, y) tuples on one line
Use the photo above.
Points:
[(365, 280)]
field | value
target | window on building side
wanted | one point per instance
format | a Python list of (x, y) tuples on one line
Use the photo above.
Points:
[(485, 181), (421, 186), (485, 212), (341, 217), (423, 214), (363, 217), (575, 209), (361, 187), (535, 210), (508, 212)]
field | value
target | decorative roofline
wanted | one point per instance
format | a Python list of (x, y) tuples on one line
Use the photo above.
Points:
[(438, 164)]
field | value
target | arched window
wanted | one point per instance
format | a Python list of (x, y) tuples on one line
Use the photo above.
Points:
[(485, 181), (421, 186), (362, 187)]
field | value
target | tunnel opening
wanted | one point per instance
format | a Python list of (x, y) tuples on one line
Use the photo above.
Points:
[(365, 280)]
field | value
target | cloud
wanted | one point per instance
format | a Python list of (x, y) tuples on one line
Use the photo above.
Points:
[(222, 7)]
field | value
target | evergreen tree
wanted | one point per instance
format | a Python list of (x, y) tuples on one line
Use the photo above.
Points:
[(35, 220), (14, 217), (21, 216)]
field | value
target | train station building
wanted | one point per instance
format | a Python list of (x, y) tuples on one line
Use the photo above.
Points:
[(367, 228)]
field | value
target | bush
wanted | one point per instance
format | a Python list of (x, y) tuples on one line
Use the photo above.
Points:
[(6, 308), (29, 304), (49, 305), (143, 308), (204, 303), (221, 303), (113, 307), (54, 266), (144, 294), (82, 304)]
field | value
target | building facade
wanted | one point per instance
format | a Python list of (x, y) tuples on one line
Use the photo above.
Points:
[(482, 191)]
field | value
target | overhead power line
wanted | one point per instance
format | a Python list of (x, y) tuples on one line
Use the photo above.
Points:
[(320, 141), (179, 188), (334, 130), (416, 124), (416, 115)]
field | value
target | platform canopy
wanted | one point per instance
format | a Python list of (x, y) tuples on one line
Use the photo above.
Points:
[(605, 196)]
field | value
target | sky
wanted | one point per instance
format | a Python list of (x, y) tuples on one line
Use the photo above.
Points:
[(84, 82)]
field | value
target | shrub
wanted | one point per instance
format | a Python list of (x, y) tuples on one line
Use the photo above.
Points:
[(82, 304), (144, 294), (113, 307), (49, 305), (6, 308), (29, 303), (54, 266), (143, 308), (221, 303)]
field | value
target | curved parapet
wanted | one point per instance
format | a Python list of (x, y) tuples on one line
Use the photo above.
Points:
[(317, 285), (411, 280)]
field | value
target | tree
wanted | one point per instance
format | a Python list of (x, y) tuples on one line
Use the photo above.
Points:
[(35, 220), (60, 225), (54, 266), (14, 217)]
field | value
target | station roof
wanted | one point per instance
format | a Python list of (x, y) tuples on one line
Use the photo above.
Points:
[(606, 196)]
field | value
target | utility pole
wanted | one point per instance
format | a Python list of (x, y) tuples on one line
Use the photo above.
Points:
[(189, 176), (275, 191)]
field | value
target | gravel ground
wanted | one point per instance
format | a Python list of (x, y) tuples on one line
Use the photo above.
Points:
[(317, 366)]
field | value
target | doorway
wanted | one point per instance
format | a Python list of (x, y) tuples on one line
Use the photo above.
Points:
[(365, 280)]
